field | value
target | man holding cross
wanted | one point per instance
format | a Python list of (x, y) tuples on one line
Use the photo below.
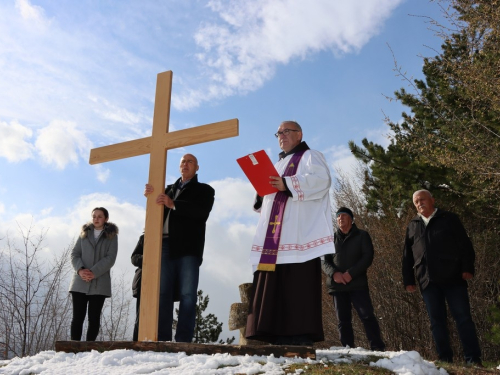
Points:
[(187, 206), (295, 229)]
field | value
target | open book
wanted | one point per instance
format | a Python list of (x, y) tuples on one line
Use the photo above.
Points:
[(258, 167)]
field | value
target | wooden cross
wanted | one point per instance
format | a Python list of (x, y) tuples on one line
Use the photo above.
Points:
[(276, 222), (157, 146)]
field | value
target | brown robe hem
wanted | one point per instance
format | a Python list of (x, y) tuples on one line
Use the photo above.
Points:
[(286, 302)]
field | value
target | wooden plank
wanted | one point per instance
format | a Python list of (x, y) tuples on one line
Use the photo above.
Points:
[(188, 348), (201, 134), (180, 138), (119, 151), (151, 264)]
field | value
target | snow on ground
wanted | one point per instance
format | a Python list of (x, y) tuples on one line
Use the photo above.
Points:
[(123, 362)]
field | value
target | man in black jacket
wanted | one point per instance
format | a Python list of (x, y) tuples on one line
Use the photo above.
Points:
[(439, 254), (187, 206), (347, 280), (136, 260)]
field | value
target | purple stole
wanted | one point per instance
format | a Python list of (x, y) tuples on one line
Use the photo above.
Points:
[(273, 235)]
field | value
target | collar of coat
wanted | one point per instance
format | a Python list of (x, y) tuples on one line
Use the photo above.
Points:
[(438, 213), (302, 146), (110, 230), (342, 236), (194, 180)]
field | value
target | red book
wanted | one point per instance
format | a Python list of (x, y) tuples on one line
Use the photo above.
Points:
[(258, 167)]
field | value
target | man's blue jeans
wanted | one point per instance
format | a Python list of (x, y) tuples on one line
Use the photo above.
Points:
[(179, 278), (435, 298)]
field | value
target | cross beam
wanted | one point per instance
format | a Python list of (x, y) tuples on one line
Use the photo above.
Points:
[(156, 146)]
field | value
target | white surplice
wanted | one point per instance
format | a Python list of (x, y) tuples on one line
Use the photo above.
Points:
[(307, 231)]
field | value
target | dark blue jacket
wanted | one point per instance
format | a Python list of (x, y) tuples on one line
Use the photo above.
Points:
[(440, 252), (353, 253), (187, 223), (136, 260)]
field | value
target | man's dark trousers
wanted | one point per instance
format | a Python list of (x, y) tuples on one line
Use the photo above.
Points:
[(362, 303), (435, 298)]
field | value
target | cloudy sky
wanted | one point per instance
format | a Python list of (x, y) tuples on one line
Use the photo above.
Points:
[(82, 74)]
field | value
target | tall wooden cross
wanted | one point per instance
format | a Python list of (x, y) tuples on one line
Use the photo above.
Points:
[(157, 146)]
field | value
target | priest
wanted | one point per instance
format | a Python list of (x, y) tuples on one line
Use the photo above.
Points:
[(295, 229)]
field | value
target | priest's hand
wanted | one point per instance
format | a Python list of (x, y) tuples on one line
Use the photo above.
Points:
[(277, 182), (148, 189), (338, 277)]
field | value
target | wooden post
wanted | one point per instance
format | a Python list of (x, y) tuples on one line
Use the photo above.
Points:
[(157, 146), (289, 351)]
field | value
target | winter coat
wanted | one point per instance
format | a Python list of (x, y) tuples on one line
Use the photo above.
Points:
[(136, 260), (96, 255), (187, 223), (439, 252), (354, 254)]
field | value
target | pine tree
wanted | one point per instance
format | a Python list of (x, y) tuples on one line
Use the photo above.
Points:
[(455, 113), (449, 140), (449, 143), (392, 175), (207, 328)]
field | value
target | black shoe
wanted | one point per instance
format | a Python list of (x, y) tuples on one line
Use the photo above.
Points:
[(302, 340), (283, 340), (447, 360), (475, 363)]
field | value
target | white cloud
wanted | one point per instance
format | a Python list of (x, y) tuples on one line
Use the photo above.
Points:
[(233, 200), (340, 158), (61, 143), (228, 237), (53, 68), (241, 54), (64, 228), (46, 211), (227, 248), (13, 145), (110, 111), (381, 136), (230, 230), (31, 13), (102, 173)]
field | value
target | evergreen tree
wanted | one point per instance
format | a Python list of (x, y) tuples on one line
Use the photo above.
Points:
[(207, 328), (392, 175), (449, 143), (494, 335), (453, 125)]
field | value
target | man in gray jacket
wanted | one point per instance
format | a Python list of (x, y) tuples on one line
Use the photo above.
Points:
[(347, 280)]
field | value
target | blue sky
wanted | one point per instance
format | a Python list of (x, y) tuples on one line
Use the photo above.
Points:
[(82, 74)]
